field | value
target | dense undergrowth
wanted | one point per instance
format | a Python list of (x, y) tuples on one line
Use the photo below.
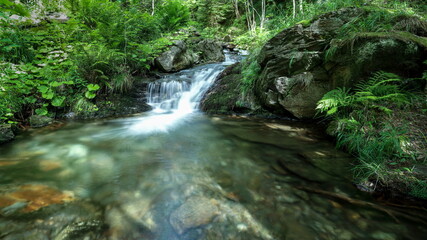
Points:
[(371, 121), (48, 66)]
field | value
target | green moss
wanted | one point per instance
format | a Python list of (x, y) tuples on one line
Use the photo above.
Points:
[(304, 23), (403, 36), (419, 189)]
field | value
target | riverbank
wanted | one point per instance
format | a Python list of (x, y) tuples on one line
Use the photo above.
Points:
[(368, 83)]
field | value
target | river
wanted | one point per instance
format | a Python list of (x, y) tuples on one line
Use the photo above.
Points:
[(175, 173)]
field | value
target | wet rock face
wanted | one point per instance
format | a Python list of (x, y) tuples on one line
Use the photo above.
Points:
[(185, 54), (6, 133), (302, 63), (225, 96)]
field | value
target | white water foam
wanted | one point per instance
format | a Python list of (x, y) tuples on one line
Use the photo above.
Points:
[(176, 97)]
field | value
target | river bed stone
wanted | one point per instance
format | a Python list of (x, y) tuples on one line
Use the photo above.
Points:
[(195, 212)]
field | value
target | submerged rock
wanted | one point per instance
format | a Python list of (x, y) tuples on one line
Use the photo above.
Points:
[(74, 220), (195, 212), (34, 197)]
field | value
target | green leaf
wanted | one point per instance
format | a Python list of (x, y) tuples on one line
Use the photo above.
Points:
[(43, 89), (93, 87), (55, 84), (30, 99), (90, 95), (332, 111), (41, 111), (58, 101), (48, 95), (70, 82)]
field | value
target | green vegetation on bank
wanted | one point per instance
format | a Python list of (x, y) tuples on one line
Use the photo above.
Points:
[(380, 121), (371, 121), (48, 66)]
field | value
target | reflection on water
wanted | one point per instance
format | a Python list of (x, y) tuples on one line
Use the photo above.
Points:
[(208, 178)]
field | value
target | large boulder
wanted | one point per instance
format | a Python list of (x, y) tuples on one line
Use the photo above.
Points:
[(176, 58), (209, 51), (185, 54), (302, 63), (6, 133)]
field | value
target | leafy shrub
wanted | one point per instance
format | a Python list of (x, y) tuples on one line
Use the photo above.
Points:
[(15, 45), (173, 15), (98, 64), (13, 8), (96, 12), (377, 92)]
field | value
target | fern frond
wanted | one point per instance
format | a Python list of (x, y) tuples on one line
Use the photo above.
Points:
[(333, 100)]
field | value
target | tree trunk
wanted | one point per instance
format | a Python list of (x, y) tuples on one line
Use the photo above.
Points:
[(261, 25), (294, 10), (250, 13), (236, 8)]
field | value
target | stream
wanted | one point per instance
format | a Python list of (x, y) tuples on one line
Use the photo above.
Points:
[(175, 173)]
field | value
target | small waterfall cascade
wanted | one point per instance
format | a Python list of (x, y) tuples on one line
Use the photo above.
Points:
[(163, 96), (177, 95), (181, 92)]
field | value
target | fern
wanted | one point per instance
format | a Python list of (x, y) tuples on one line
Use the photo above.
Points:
[(377, 78), (380, 88), (334, 100), (358, 129)]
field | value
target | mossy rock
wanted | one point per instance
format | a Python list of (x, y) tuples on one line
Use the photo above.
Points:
[(302, 63), (37, 121), (6, 133), (226, 96)]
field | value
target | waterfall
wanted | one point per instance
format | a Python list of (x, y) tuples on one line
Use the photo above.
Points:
[(176, 96), (182, 94), (163, 96)]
